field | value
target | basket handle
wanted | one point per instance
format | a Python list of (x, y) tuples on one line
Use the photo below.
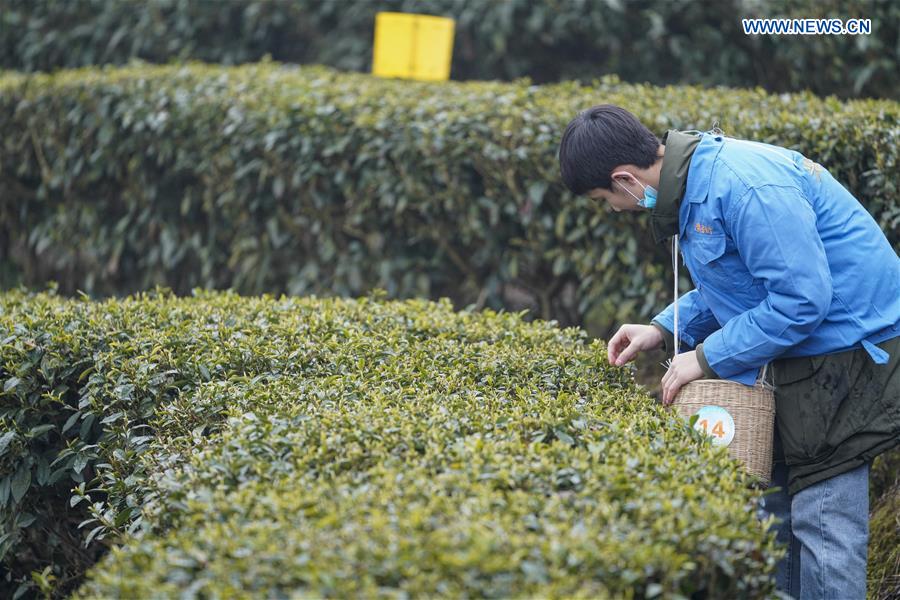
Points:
[(762, 378)]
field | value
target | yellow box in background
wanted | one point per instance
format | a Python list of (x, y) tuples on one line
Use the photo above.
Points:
[(412, 46)]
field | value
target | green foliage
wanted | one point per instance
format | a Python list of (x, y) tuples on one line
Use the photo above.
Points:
[(676, 41), (266, 446), (270, 178), (884, 527), (885, 474), (884, 547)]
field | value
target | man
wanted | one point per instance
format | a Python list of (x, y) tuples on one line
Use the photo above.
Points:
[(789, 269)]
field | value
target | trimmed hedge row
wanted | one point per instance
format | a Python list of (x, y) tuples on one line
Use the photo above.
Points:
[(884, 536), (268, 178), (884, 529), (550, 40), (342, 447)]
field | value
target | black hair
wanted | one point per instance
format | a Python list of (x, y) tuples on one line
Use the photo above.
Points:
[(598, 140)]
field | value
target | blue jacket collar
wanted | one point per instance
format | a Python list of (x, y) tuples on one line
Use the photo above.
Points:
[(698, 178)]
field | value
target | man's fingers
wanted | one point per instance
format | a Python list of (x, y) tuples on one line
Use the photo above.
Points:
[(662, 384), (627, 354), (615, 345), (669, 381), (672, 390), (667, 377), (615, 350)]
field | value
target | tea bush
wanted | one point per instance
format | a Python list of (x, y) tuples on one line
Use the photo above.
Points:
[(223, 445), (884, 527), (678, 41), (274, 179)]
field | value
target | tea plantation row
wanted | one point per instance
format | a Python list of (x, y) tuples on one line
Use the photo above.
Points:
[(228, 446), (268, 179)]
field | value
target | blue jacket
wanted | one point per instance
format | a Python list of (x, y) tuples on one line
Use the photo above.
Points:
[(784, 260)]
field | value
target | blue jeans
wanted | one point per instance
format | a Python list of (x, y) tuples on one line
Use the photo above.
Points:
[(825, 528)]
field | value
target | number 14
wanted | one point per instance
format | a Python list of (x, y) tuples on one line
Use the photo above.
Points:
[(717, 429)]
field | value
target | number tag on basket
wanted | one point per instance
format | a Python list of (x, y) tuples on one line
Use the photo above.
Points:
[(717, 422)]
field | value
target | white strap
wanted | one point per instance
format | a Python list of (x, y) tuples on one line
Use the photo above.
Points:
[(675, 262)]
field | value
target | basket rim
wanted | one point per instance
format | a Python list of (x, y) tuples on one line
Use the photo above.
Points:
[(728, 383)]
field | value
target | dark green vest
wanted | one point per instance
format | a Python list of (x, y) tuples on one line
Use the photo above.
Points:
[(833, 412)]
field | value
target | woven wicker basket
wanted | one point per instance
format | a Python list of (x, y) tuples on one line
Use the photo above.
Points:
[(753, 411)]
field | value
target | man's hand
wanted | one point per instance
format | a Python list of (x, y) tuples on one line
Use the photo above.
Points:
[(684, 369), (631, 339)]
